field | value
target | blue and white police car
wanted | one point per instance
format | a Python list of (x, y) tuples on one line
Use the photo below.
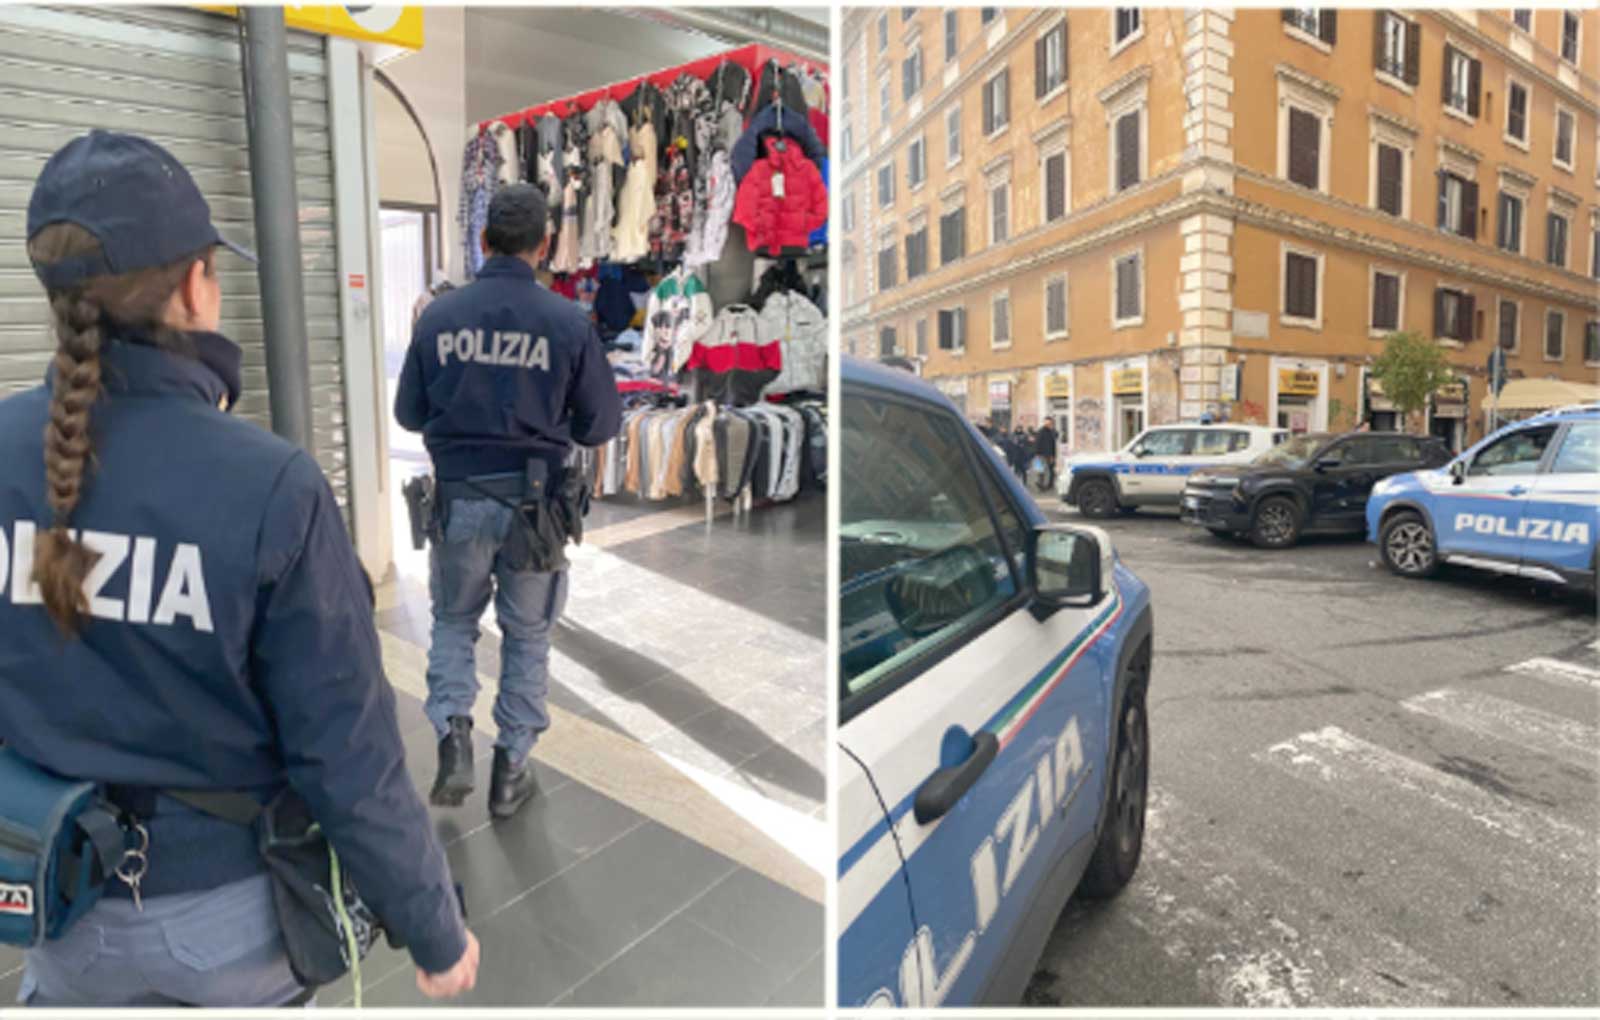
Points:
[(1152, 469), (993, 744), (1524, 501)]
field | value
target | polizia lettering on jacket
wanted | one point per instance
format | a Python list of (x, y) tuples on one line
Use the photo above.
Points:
[(507, 348), (126, 565)]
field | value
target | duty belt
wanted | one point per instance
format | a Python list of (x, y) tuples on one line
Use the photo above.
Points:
[(512, 487)]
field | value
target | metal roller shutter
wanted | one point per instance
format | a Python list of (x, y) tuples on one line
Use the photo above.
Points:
[(172, 75)]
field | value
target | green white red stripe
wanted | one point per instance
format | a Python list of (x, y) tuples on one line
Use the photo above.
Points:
[(1011, 719)]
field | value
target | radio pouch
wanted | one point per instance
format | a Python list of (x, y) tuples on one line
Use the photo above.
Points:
[(60, 842)]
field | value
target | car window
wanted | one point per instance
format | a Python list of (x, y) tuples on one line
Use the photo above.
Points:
[(1238, 441), (920, 560), (1013, 533), (1348, 453), (1516, 454), (1396, 450), (1165, 443), (1210, 442), (1293, 451), (1580, 451)]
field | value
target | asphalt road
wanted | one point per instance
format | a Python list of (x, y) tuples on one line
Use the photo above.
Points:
[(1365, 791)]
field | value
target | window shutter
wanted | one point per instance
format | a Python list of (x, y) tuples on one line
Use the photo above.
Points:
[(1287, 15), (1055, 187), (1378, 24), (1444, 197), (988, 108), (1065, 72), (1517, 102), (1127, 150), (1003, 108), (1469, 211), (1446, 80), (1438, 313), (1474, 86), (945, 339), (1413, 69), (1328, 26), (1039, 46), (1304, 142), (1468, 318), (1391, 167)]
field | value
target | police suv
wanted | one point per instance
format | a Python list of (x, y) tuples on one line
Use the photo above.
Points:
[(993, 744), (1151, 470), (1524, 501)]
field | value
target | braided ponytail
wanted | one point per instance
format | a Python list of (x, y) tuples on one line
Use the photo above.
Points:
[(137, 300)]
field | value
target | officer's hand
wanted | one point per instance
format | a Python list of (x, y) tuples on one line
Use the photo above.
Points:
[(455, 981)]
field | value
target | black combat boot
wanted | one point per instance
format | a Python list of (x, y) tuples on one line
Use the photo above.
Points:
[(509, 788), (455, 764)]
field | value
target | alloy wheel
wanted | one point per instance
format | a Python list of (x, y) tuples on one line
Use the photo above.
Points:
[(1410, 547)]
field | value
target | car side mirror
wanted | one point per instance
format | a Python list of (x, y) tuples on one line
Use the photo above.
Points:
[(932, 593), (1458, 472), (1069, 565), (1141, 451)]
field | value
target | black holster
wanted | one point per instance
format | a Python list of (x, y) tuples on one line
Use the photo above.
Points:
[(545, 518), (423, 508)]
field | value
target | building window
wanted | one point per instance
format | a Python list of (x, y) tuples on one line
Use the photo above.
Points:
[(1458, 204), (1302, 304), (1391, 179), (1509, 334), (917, 162), (847, 210), (911, 73), (1126, 139), (1050, 61), (1452, 314), (952, 43), (1128, 290), (1566, 130), (997, 102), (1303, 153), (952, 135), (1055, 308), (917, 253), (1555, 335), (1385, 302), (1570, 27), (1555, 239), (1508, 237), (888, 267), (847, 142), (1127, 25), (1000, 321), (1522, 17), (886, 185), (1397, 48), (885, 94), (1053, 174), (952, 236), (999, 213), (1594, 253), (883, 31), (907, 13), (1517, 112), (952, 329), (1316, 22), (986, 14), (1591, 341), (922, 338), (1463, 81), (886, 342)]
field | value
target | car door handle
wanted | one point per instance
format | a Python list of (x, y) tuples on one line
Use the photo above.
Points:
[(947, 786), (1515, 490)]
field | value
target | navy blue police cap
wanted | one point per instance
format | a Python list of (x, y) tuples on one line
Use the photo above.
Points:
[(134, 197)]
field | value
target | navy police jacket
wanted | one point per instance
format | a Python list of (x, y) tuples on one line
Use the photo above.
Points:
[(230, 642), (503, 371)]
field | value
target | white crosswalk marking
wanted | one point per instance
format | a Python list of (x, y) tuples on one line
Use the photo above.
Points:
[(1340, 759), (1562, 672), (1554, 735)]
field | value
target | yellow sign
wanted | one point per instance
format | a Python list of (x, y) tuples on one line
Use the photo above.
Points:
[(1452, 393), (394, 26), (1057, 385), (1296, 382), (1127, 380)]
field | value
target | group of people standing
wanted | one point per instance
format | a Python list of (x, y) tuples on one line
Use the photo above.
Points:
[(1021, 445)]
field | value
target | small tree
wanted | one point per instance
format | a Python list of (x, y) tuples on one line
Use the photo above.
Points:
[(1411, 369)]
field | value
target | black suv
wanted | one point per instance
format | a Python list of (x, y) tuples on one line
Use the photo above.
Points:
[(1313, 482)]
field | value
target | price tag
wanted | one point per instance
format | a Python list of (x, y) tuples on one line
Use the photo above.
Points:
[(777, 185)]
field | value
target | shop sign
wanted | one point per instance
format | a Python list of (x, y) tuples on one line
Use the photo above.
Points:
[(1376, 400), (1057, 384), (1000, 395), (1126, 381), (1298, 382), (1451, 393), (393, 26)]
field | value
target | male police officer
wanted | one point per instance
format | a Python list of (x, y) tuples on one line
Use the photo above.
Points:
[(181, 610), (502, 377)]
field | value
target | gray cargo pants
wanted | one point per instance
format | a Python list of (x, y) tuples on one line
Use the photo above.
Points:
[(220, 948)]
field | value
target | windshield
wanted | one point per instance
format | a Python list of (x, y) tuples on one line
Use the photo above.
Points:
[(1295, 451)]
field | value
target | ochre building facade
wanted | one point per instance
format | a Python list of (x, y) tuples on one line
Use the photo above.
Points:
[(1118, 218)]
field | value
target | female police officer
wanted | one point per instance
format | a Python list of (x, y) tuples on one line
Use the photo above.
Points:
[(184, 612)]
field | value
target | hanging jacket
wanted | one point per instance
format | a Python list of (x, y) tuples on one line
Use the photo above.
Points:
[(774, 221), (795, 126), (710, 230), (731, 363), (800, 330), (600, 210), (550, 134), (777, 84), (678, 314), (637, 204), (647, 103), (819, 236), (687, 97), (510, 169), (565, 259), (729, 83), (480, 177), (674, 215)]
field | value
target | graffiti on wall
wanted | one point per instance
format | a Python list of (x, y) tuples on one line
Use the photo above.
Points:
[(1088, 424), (1248, 412)]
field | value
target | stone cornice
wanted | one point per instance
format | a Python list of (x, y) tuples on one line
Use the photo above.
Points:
[(1518, 176), (1122, 86), (1327, 89), (1061, 126), (1561, 196), (1455, 148), (1399, 122)]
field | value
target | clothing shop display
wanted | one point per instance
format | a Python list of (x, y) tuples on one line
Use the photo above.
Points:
[(480, 177), (637, 205), (775, 122), (781, 200), (679, 314), (732, 362), (799, 330)]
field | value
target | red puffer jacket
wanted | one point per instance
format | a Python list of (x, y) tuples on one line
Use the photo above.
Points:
[(772, 222)]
